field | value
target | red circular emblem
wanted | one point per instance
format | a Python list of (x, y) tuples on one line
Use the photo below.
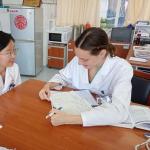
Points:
[(20, 22)]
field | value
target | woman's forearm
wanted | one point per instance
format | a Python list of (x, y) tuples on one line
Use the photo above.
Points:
[(74, 119)]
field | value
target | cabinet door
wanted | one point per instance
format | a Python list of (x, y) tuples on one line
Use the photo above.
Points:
[(56, 52), (55, 63), (71, 54), (56, 56), (26, 57), (22, 23)]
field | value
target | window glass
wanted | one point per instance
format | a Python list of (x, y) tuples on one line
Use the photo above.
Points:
[(112, 13)]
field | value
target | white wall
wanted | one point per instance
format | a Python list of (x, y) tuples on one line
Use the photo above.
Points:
[(49, 12)]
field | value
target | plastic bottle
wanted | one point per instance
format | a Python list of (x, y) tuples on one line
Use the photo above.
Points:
[(138, 39)]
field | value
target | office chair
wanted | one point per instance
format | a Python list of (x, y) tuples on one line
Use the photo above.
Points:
[(140, 90)]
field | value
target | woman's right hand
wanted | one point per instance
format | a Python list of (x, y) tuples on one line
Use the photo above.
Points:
[(45, 92)]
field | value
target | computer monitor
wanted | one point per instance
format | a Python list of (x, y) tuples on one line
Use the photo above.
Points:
[(121, 35)]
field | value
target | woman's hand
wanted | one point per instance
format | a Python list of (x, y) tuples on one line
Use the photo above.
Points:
[(45, 91), (60, 118)]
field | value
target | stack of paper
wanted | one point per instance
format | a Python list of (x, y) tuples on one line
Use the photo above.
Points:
[(142, 52)]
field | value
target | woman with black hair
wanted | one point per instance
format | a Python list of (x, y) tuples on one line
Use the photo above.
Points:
[(95, 68), (9, 71)]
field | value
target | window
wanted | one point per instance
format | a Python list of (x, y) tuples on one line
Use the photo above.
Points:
[(112, 13)]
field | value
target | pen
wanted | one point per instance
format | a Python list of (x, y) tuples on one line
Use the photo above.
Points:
[(52, 113), (58, 87), (147, 135)]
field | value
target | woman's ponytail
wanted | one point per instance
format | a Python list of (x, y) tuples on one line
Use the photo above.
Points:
[(111, 49)]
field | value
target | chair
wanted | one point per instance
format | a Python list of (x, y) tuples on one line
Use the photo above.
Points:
[(142, 74), (140, 90)]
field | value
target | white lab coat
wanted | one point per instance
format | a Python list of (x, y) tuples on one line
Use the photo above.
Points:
[(12, 76), (113, 80)]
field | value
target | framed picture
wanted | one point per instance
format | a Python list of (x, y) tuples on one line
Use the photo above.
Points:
[(32, 3)]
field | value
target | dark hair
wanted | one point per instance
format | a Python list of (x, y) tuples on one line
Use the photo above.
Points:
[(94, 40), (5, 38)]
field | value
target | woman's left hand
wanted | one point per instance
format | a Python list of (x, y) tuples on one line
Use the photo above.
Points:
[(60, 118)]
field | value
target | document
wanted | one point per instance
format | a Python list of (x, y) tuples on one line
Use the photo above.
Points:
[(139, 117), (3, 148), (72, 102)]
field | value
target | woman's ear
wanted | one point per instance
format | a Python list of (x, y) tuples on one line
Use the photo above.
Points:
[(103, 53)]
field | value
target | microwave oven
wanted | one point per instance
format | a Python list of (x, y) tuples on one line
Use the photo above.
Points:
[(60, 35)]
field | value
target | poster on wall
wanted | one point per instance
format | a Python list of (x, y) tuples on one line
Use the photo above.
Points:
[(32, 3)]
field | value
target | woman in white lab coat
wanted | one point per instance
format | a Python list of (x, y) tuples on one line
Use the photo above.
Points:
[(96, 68), (9, 71)]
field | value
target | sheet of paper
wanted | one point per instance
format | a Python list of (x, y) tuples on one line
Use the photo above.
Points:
[(140, 113), (70, 102), (138, 59), (85, 94), (3, 148)]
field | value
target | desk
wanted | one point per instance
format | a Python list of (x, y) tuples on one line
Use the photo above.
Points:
[(25, 127), (138, 65)]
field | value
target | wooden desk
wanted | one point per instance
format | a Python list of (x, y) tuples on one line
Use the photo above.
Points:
[(25, 127)]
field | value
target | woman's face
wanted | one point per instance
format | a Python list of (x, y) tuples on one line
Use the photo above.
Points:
[(7, 55), (90, 61)]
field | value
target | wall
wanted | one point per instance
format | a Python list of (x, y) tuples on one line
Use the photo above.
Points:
[(49, 12)]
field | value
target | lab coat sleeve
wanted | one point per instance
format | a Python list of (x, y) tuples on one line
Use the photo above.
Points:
[(65, 75), (17, 75), (117, 111)]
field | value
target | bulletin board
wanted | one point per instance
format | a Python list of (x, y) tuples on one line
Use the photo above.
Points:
[(33, 3)]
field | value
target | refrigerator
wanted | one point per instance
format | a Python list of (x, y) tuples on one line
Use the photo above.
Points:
[(27, 29), (4, 19)]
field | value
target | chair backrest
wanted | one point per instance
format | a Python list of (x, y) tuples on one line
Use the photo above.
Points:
[(140, 90)]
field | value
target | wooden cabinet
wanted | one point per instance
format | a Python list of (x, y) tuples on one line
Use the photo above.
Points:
[(57, 55), (60, 54), (71, 54)]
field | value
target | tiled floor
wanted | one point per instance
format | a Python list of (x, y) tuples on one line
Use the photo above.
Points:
[(44, 75)]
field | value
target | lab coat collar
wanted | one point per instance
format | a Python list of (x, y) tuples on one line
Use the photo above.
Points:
[(104, 70), (106, 66)]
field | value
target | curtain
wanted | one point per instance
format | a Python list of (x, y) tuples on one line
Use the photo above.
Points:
[(75, 12), (137, 10)]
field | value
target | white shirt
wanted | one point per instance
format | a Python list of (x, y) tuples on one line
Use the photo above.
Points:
[(113, 80), (12, 78)]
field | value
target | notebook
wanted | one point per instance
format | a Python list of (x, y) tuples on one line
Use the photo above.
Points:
[(73, 102), (139, 117)]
